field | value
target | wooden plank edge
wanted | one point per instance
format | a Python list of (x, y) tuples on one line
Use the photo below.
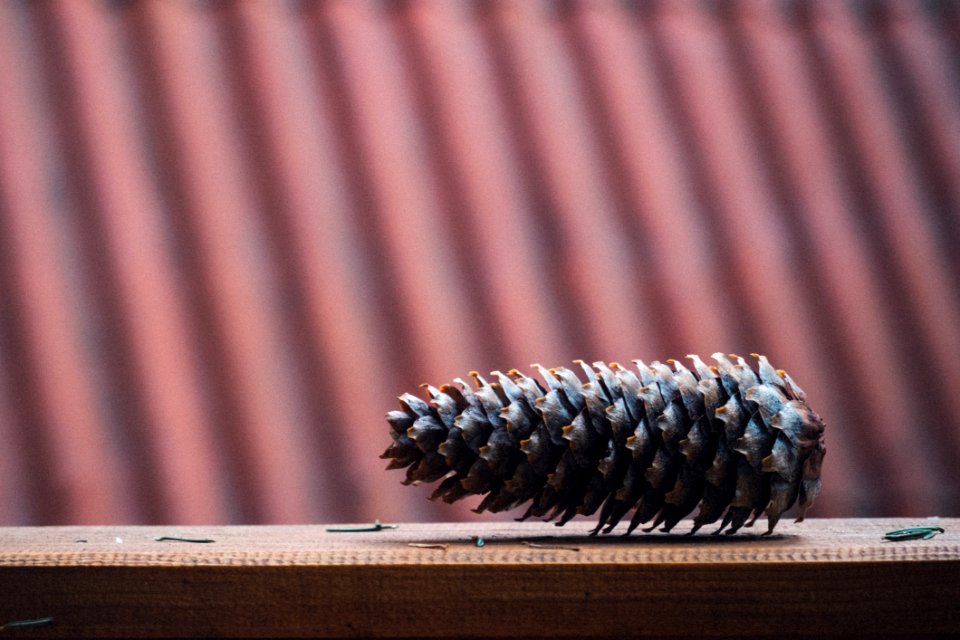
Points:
[(545, 593)]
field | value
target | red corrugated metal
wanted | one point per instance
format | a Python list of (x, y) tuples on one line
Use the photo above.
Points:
[(231, 233)]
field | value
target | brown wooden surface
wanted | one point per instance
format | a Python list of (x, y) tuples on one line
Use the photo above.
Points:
[(820, 577)]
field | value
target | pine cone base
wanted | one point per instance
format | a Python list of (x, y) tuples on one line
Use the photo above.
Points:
[(737, 441)]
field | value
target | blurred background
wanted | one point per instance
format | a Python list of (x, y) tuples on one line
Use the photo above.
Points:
[(231, 233)]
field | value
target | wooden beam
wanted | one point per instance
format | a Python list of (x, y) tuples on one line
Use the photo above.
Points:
[(819, 577)]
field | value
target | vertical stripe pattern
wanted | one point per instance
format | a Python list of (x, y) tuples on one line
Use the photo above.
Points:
[(231, 233)]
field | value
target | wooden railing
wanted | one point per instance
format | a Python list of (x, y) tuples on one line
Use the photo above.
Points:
[(816, 578)]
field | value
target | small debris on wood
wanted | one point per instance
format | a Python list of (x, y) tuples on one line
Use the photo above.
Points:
[(913, 533), (429, 545), (24, 624), (538, 545), (376, 526), (183, 539)]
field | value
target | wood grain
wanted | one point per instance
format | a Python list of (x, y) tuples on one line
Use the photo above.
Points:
[(820, 577)]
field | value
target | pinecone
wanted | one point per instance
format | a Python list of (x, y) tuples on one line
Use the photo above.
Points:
[(736, 441)]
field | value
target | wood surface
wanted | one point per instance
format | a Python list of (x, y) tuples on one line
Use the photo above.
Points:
[(819, 577)]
